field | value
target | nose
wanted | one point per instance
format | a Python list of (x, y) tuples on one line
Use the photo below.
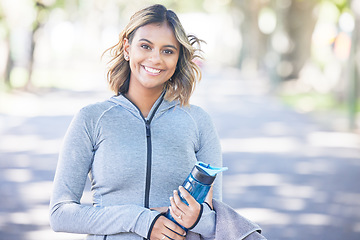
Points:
[(155, 56)]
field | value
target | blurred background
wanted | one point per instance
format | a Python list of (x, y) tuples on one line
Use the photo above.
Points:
[(307, 48), (301, 54)]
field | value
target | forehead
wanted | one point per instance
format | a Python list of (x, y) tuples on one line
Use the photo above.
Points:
[(157, 33)]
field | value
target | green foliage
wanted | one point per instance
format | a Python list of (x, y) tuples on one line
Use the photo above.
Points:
[(181, 6), (314, 101), (310, 101), (340, 4)]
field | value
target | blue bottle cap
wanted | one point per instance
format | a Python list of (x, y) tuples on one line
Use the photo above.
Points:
[(212, 171), (205, 173)]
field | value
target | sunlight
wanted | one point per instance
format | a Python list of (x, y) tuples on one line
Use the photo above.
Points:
[(265, 216), (18, 143), (31, 142), (334, 139), (17, 175), (289, 190), (268, 216), (19, 218), (314, 219), (276, 128), (267, 20), (291, 204), (348, 198), (49, 234), (267, 145), (315, 166), (37, 192), (257, 179)]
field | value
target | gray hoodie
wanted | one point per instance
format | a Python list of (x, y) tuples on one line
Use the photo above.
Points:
[(133, 163)]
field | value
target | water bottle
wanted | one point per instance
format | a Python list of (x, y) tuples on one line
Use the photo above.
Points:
[(198, 184)]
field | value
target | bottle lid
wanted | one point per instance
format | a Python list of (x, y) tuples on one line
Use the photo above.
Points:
[(205, 173)]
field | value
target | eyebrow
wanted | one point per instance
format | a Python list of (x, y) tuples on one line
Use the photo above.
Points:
[(146, 40)]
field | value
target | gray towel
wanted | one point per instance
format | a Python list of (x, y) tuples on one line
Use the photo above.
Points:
[(231, 226)]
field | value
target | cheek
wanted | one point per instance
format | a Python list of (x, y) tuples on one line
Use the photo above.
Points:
[(135, 59), (132, 64), (172, 64), (172, 69)]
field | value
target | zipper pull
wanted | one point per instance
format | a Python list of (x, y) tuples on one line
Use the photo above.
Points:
[(147, 124)]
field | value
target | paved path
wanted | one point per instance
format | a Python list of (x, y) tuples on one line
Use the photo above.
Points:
[(295, 178)]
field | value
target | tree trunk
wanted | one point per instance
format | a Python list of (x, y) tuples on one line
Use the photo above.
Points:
[(9, 63), (300, 26), (253, 41)]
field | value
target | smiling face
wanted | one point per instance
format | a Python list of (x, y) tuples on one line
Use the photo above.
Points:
[(153, 56)]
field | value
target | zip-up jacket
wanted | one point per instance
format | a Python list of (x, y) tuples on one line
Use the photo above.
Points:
[(133, 163)]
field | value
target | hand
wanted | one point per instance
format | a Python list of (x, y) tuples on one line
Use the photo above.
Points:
[(209, 197), (185, 215), (166, 229)]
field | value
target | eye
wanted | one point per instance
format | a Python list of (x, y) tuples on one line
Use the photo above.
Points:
[(168, 51), (145, 46)]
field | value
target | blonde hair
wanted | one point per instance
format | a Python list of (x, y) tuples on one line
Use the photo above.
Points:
[(187, 73)]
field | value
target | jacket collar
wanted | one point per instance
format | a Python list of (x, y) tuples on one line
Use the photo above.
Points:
[(131, 107)]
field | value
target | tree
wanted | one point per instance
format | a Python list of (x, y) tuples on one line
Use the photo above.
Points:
[(9, 21), (8, 63)]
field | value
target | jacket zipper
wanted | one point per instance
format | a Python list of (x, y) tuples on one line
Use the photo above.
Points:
[(149, 150), (148, 163), (149, 154)]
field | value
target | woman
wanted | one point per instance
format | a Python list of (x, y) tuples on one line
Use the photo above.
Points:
[(140, 145)]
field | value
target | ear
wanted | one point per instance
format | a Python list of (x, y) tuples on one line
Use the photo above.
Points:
[(126, 47)]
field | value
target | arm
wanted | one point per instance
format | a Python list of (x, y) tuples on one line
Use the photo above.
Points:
[(200, 218), (209, 151), (67, 214)]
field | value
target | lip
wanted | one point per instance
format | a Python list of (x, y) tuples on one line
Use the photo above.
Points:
[(151, 70)]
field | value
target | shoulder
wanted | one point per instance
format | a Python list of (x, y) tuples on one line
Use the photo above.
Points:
[(98, 107), (198, 114), (94, 111)]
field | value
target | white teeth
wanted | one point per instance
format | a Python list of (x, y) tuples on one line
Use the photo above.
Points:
[(152, 70)]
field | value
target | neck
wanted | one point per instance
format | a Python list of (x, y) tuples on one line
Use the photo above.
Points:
[(144, 100)]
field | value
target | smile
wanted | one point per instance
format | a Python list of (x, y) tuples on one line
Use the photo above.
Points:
[(152, 70)]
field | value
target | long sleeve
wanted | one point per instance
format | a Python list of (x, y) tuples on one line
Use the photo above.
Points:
[(209, 152), (67, 214), (209, 148), (206, 227)]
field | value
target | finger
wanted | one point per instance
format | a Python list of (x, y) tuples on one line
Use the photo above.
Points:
[(177, 215), (180, 204), (173, 231), (171, 236), (174, 210), (167, 229), (186, 195)]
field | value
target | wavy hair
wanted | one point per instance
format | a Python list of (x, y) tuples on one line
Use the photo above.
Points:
[(187, 73)]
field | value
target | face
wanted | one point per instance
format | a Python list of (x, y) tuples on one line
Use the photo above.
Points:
[(153, 55)]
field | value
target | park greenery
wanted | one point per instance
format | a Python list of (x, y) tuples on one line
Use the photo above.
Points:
[(307, 48)]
